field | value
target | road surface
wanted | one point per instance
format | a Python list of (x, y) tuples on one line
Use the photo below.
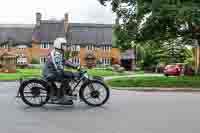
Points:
[(126, 112)]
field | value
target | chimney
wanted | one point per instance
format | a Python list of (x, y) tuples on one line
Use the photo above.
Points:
[(66, 22), (38, 18)]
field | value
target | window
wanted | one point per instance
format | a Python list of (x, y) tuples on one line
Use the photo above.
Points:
[(4, 46), (43, 60), (90, 47), (22, 46), (106, 48), (105, 61), (44, 45), (75, 48), (22, 60), (76, 60)]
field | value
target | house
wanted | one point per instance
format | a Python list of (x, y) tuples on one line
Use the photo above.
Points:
[(82, 38), (8, 62), (33, 42), (18, 38)]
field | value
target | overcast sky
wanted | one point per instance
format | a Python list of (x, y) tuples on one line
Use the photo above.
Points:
[(23, 11)]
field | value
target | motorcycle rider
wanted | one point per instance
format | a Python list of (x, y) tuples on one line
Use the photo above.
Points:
[(54, 67)]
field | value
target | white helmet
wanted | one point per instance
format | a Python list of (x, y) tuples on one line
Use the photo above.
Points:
[(58, 43)]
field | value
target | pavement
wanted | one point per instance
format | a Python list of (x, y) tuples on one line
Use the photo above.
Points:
[(126, 112)]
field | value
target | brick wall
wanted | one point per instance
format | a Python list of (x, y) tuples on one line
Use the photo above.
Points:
[(35, 53), (99, 53)]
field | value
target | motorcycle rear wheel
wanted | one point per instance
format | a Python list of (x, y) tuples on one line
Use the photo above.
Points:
[(38, 94)]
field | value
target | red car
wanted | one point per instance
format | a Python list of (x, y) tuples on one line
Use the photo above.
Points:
[(173, 70)]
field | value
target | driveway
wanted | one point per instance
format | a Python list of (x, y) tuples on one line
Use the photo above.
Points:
[(126, 112)]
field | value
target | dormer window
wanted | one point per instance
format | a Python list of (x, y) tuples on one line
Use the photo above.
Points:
[(106, 48), (75, 48), (21, 47), (4, 46), (44, 45), (90, 47)]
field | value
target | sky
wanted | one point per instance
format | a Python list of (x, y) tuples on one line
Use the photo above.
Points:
[(23, 11)]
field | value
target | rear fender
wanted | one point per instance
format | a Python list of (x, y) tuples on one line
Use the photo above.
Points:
[(35, 80)]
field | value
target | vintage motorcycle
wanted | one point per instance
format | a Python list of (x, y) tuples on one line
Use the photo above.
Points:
[(38, 92)]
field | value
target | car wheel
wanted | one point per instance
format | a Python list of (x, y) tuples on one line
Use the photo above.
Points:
[(166, 75)]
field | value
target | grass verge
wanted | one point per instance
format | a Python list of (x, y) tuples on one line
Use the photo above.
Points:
[(28, 73), (163, 82)]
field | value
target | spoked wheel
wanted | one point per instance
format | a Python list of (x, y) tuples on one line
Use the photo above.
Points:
[(95, 93), (34, 93)]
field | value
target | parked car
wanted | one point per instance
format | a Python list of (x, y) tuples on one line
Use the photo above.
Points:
[(173, 70)]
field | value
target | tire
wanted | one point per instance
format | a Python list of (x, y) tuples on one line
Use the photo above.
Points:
[(43, 87), (167, 75), (84, 87)]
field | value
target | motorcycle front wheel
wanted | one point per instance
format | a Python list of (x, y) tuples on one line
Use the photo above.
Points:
[(94, 93)]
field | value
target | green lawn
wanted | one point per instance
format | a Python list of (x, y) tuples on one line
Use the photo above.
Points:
[(105, 73), (28, 73), (177, 82)]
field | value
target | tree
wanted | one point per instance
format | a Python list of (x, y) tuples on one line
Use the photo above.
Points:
[(153, 54), (158, 20), (176, 51)]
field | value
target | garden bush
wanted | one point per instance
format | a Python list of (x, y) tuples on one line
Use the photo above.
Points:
[(118, 68), (35, 61)]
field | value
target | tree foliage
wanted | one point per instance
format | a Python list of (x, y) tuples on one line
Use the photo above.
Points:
[(158, 20), (161, 27)]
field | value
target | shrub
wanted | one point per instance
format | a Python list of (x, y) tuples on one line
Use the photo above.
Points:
[(22, 66), (118, 68), (35, 61)]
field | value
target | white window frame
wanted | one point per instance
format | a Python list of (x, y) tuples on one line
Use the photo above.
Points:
[(90, 47), (5, 46), (106, 61), (45, 45), (22, 60), (106, 48), (43, 60), (75, 48), (75, 60)]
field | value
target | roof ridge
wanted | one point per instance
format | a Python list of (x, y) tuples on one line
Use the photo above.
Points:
[(90, 23), (17, 25), (51, 21)]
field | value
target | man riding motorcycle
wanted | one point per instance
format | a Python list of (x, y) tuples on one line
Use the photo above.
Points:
[(54, 68)]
